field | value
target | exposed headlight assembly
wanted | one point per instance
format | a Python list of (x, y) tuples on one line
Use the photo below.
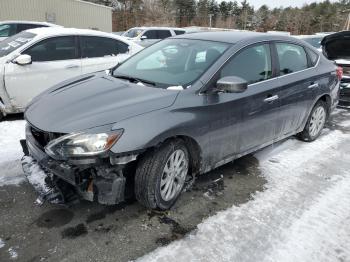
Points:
[(82, 144)]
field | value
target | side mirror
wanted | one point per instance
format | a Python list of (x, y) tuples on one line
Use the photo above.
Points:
[(23, 60), (143, 37), (232, 84)]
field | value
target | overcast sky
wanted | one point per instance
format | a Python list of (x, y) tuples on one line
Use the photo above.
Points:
[(284, 3)]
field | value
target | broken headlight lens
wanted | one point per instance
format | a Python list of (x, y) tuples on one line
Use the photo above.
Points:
[(82, 144)]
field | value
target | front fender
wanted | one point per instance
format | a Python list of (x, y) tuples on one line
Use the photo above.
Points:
[(148, 130)]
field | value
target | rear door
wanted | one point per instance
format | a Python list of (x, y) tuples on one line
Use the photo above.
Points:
[(101, 53), (53, 60), (298, 80)]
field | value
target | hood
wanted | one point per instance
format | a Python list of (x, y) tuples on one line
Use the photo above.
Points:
[(337, 46), (93, 100)]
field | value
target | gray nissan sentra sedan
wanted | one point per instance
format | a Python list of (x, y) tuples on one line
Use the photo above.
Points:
[(177, 109)]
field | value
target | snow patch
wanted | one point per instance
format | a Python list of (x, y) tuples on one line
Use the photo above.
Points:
[(35, 175), (11, 173), (2, 243), (13, 253), (303, 215), (10, 134), (11, 152)]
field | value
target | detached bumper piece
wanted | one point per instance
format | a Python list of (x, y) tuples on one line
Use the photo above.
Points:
[(62, 183)]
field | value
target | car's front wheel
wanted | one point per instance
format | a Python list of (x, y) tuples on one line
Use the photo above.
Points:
[(315, 122), (161, 174)]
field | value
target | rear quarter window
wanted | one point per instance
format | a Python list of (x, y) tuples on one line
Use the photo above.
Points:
[(313, 57), (292, 58), (179, 32)]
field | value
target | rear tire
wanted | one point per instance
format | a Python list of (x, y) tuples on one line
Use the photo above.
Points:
[(315, 122), (161, 174)]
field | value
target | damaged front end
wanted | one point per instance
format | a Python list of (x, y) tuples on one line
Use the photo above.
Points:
[(65, 168)]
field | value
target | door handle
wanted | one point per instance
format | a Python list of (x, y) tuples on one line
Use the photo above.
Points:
[(71, 66), (271, 98), (314, 85)]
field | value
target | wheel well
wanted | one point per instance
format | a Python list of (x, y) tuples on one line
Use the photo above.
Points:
[(194, 151), (192, 147), (327, 100)]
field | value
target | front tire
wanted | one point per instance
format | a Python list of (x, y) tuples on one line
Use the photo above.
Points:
[(315, 122), (161, 174)]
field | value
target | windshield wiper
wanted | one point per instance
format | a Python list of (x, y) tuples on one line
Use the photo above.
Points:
[(135, 80)]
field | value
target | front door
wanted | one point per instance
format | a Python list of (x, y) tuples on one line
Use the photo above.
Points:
[(249, 119), (53, 60)]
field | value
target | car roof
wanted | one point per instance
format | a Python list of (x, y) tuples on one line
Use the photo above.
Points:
[(44, 32), (308, 36), (235, 37), (157, 27), (28, 22), (49, 31)]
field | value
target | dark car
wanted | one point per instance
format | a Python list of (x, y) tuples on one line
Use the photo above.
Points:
[(179, 108), (337, 47)]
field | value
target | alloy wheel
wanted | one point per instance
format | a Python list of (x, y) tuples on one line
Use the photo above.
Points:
[(317, 121), (174, 175)]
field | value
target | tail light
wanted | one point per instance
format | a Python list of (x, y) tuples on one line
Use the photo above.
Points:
[(339, 72)]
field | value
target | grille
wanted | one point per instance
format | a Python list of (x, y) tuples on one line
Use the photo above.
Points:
[(42, 137)]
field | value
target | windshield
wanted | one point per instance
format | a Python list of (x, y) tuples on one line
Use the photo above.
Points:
[(133, 32), (172, 62), (14, 42), (314, 41)]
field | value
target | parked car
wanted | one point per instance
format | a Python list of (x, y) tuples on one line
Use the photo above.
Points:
[(337, 47), (146, 36), (36, 59), (314, 40), (10, 28), (178, 108)]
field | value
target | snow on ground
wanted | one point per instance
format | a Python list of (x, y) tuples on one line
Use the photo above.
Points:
[(303, 215), (13, 253), (11, 152), (2, 243)]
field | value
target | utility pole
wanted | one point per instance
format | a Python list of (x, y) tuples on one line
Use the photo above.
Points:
[(210, 18)]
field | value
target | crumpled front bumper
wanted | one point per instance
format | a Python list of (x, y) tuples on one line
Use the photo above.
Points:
[(59, 181)]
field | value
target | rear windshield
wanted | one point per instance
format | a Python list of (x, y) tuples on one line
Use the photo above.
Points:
[(314, 41), (14, 42)]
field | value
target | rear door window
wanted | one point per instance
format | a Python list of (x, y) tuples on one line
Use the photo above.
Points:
[(292, 58), (253, 64), (151, 34), (163, 34), (7, 30), (53, 49), (92, 46)]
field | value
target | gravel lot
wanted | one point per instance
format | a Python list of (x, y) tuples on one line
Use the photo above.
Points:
[(91, 232)]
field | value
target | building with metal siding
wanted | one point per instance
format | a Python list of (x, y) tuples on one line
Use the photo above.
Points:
[(68, 13)]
